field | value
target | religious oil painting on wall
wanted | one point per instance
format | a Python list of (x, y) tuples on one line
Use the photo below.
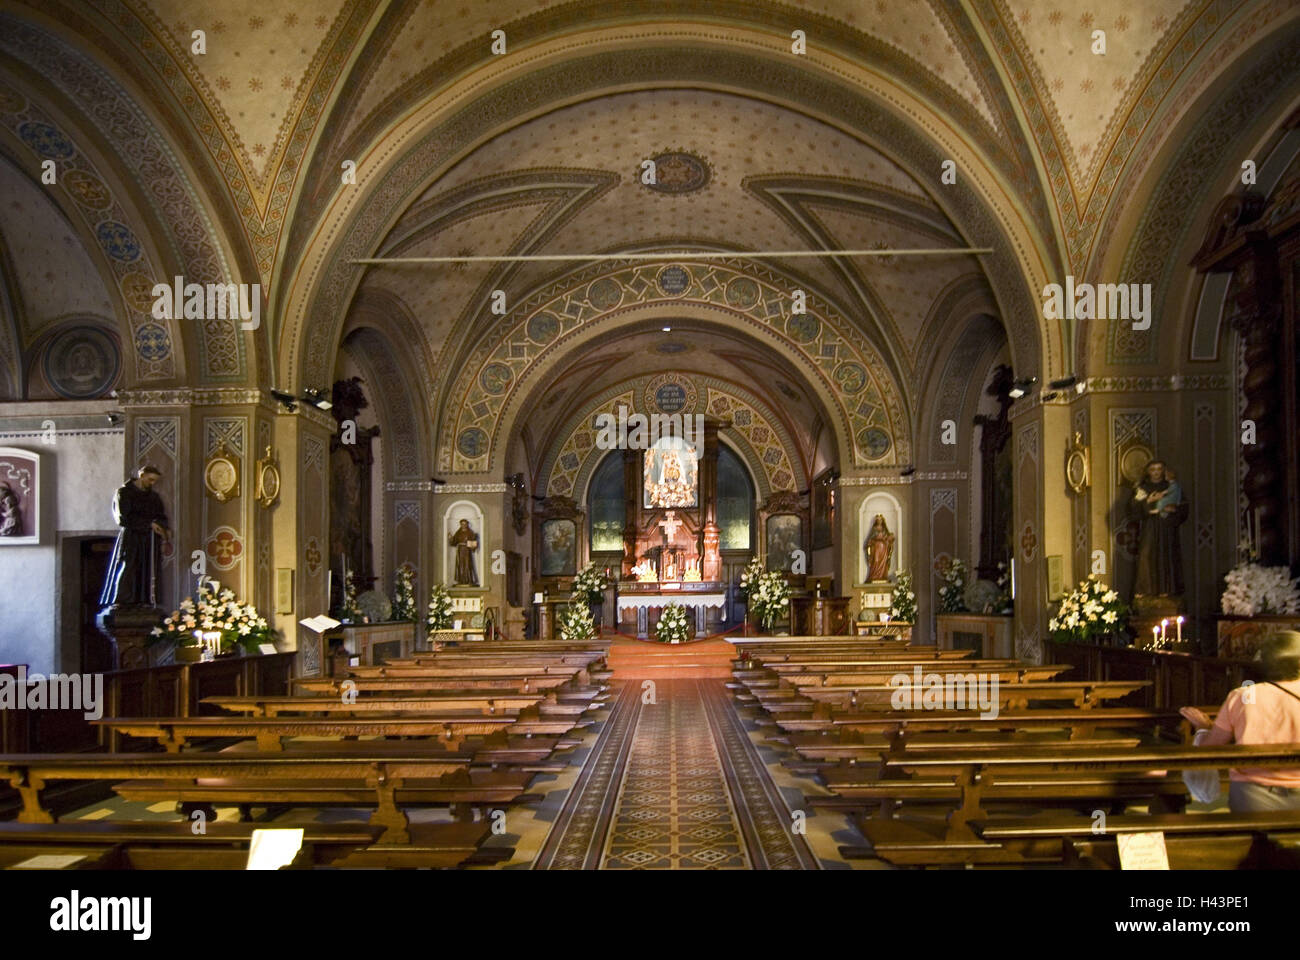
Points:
[(559, 548), (784, 536), (20, 517)]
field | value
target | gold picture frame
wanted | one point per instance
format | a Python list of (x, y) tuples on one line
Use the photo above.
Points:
[(1078, 466), (268, 479), (221, 475)]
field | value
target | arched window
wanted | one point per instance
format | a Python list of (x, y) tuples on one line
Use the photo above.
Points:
[(735, 502), (605, 504)]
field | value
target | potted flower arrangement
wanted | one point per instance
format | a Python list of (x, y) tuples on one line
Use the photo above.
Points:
[(351, 611), (438, 614), (769, 597), (576, 624), (1089, 613), (591, 583), (212, 610), (952, 589), (902, 603), (404, 598), (674, 625)]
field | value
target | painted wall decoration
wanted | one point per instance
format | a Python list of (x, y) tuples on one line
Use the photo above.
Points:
[(224, 547), (559, 548), (81, 362), (20, 497), (867, 403)]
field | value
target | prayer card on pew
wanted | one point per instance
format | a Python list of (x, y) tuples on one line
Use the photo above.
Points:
[(1142, 851), (50, 861), (273, 849)]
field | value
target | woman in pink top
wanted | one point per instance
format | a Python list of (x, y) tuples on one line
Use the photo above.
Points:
[(1264, 712)]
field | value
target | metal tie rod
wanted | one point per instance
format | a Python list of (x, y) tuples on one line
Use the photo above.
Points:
[(694, 255)]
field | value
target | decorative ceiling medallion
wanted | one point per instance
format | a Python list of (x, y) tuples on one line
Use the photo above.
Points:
[(673, 281), (670, 393), (678, 172), (81, 362)]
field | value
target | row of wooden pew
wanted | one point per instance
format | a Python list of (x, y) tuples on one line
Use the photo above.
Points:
[(1048, 780), (466, 728)]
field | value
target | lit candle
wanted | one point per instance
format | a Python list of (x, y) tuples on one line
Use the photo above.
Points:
[(1155, 636), (1180, 629), (1163, 625)]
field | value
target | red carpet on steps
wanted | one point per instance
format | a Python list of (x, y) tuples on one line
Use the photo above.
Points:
[(630, 658)]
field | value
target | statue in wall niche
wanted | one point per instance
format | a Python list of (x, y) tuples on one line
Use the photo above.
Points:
[(1160, 509), (137, 554), (879, 548), (11, 514), (465, 540)]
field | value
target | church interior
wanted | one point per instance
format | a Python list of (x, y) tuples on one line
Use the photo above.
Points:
[(521, 435)]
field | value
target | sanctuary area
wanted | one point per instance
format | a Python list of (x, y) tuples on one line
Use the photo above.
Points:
[(825, 434)]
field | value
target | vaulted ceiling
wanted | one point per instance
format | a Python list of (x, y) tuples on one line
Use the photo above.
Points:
[(227, 162)]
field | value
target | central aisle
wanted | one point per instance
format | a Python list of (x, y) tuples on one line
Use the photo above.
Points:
[(673, 782)]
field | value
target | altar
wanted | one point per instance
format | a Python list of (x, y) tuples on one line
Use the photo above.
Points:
[(645, 596)]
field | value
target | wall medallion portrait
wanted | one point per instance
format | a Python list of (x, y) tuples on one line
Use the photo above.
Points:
[(221, 474), (268, 479)]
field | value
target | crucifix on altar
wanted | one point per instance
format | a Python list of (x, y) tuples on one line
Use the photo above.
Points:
[(671, 538)]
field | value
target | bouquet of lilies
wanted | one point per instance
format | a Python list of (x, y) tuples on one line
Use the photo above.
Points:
[(902, 604), (749, 576), (214, 609), (768, 597), (591, 582), (438, 613), (1088, 612), (952, 591), (673, 626), (576, 624), (404, 598)]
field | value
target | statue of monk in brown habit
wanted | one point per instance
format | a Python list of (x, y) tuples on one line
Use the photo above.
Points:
[(1158, 506), (137, 554), (465, 540)]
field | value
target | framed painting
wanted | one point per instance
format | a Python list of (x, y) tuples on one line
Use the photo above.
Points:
[(559, 548), (20, 496), (784, 536), (824, 497)]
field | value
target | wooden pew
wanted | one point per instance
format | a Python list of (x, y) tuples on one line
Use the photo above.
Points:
[(488, 703), (114, 845), (1083, 694), (1081, 723), (269, 732)]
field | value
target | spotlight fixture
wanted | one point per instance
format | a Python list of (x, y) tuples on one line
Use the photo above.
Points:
[(318, 399), (287, 400), (668, 329), (438, 480), (1064, 383), (909, 471), (1021, 387), (114, 419)]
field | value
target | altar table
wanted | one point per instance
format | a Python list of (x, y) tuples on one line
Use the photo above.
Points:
[(697, 595)]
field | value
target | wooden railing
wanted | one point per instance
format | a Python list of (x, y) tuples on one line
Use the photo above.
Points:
[(174, 690), (1177, 679)]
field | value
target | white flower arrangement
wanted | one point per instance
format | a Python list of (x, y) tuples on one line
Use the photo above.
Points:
[(902, 603), (351, 612), (1089, 611), (438, 614), (1254, 590), (591, 582), (576, 624), (768, 596), (952, 591), (214, 609), (673, 626), (749, 576), (404, 598)]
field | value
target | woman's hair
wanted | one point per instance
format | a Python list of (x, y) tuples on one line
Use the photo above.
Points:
[(1279, 656)]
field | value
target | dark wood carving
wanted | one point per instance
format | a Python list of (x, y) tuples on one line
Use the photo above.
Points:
[(995, 502)]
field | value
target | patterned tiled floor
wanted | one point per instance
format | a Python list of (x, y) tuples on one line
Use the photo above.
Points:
[(674, 784)]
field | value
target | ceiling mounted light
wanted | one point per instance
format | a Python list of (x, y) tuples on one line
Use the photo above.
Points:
[(1064, 383), (668, 329), (317, 399), (287, 400), (1021, 387)]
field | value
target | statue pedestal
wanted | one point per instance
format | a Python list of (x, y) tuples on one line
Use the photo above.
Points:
[(128, 627)]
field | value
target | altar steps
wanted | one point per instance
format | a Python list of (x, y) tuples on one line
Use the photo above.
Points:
[(632, 659)]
